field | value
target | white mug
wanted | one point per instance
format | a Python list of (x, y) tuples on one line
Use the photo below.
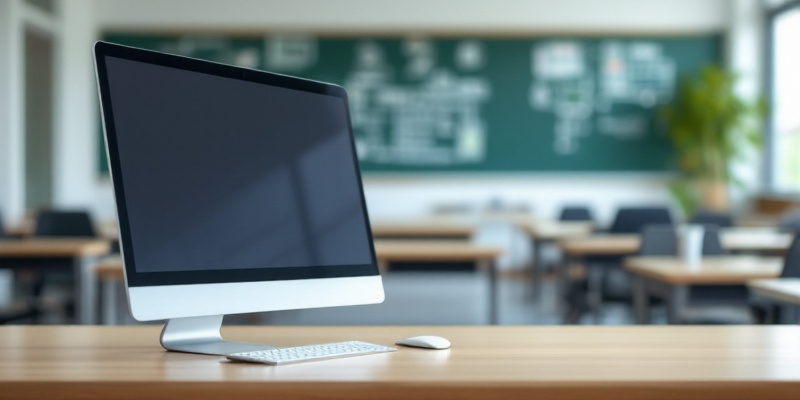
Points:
[(690, 244)]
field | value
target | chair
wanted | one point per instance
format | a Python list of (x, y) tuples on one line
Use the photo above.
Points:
[(572, 213), (59, 224), (64, 224), (708, 217), (659, 240), (2, 227), (633, 219), (765, 311), (791, 265)]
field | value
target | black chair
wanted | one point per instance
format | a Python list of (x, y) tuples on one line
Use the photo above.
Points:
[(767, 311), (791, 264), (633, 219), (53, 223), (658, 240), (64, 224), (2, 228), (708, 217), (572, 213)]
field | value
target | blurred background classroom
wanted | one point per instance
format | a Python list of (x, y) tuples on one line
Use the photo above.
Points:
[(524, 162)]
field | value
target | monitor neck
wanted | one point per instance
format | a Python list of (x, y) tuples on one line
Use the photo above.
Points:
[(202, 335)]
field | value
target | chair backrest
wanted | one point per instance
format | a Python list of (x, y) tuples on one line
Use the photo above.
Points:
[(64, 223), (633, 219), (659, 240), (575, 214), (712, 245), (791, 264), (662, 240), (708, 217)]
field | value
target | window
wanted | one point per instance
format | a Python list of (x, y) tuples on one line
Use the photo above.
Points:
[(785, 97)]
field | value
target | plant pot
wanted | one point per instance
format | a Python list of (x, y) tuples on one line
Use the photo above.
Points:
[(714, 195)]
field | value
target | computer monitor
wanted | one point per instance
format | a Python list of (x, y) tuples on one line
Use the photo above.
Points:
[(236, 190)]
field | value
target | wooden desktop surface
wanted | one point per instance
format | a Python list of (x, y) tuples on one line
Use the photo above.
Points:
[(439, 250), (782, 289), (725, 270), (733, 239), (423, 227), (50, 247), (687, 362)]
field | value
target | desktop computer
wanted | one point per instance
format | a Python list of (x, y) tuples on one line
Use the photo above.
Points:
[(236, 191)]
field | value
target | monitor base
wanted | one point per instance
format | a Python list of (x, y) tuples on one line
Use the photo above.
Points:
[(202, 335)]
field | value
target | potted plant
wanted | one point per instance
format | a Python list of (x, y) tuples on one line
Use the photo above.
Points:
[(710, 126)]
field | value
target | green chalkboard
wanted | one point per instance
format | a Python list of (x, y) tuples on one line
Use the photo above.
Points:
[(483, 104)]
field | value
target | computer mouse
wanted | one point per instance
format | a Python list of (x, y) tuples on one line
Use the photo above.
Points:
[(425, 342)]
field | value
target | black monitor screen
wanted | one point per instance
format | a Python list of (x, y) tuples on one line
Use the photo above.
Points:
[(228, 174)]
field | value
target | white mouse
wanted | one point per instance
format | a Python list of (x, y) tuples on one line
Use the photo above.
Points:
[(426, 342)]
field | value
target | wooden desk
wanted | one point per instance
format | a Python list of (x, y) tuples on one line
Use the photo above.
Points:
[(786, 290), (783, 292), (670, 277), (732, 239), (386, 251), (107, 230), (543, 232), (621, 363), (434, 227), (577, 249), (47, 254)]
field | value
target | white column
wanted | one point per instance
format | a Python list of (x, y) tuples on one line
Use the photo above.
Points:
[(745, 57), (76, 124), (12, 151)]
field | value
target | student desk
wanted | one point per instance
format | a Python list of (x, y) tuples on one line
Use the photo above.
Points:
[(543, 232), (48, 254), (784, 291), (386, 252), (434, 228), (670, 278), (737, 240), (621, 363)]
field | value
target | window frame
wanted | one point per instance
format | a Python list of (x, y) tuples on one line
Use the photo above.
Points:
[(770, 173)]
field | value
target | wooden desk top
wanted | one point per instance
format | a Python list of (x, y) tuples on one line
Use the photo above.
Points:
[(46, 247), (782, 289), (423, 227), (438, 250), (106, 229), (733, 239), (726, 270), (687, 362), (555, 230)]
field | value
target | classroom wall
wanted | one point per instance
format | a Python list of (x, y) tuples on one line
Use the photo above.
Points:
[(77, 182)]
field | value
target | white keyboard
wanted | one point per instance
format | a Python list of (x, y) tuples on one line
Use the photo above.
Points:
[(289, 355)]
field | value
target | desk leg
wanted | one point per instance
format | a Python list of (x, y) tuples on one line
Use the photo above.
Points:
[(564, 283), (110, 302), (538, 269), (594, 275), (640, 301), (86, 289), (678, 297), (493, 317)]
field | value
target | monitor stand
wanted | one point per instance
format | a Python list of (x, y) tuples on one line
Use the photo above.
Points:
[(201, 335)]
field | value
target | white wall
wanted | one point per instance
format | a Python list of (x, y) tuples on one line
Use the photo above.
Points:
[(12, 152), (635, 16), (77, 181)]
